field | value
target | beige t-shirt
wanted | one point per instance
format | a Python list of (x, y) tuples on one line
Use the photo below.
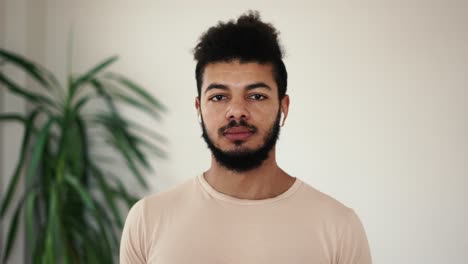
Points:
[(194, 223)]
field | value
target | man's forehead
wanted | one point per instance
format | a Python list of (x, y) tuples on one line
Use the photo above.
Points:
[(237, 73)]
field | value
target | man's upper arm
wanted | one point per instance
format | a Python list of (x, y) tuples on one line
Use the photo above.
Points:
[(132, 244), (353, 245)]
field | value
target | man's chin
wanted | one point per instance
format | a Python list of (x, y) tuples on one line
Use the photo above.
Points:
[(239, 153), (243, 155), (239, 148), (238, 143), (240, 158)]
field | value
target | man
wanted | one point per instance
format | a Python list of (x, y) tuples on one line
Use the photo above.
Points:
[(244, 208)]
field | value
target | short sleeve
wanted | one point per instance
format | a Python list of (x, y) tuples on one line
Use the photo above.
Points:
[(353, 247), (132, 244)]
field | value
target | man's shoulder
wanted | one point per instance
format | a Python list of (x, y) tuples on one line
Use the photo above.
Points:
[(322, 202), (151, 208), (149, 212), (341, 222), (171, 196)]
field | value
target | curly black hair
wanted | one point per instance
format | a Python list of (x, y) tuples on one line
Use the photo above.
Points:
[(248, 40)]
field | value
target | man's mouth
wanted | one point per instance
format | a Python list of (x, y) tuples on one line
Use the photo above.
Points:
[(238, 133)]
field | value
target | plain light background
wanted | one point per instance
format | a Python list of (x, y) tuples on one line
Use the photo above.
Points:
[(379, 100)]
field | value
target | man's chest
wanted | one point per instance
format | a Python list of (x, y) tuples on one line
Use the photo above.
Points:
[(240, 238)]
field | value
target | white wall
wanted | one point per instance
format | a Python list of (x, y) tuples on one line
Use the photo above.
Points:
[(379, 112)]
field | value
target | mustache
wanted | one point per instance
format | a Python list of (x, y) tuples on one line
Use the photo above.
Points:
[(241, 123)]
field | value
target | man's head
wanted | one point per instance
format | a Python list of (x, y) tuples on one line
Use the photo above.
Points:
[(247, 40), (241, 83)]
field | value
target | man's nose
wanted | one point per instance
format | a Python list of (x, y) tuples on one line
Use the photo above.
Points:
[(237, 110)]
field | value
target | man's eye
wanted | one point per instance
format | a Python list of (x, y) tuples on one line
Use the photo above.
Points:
[(257, 97), (217, 98)]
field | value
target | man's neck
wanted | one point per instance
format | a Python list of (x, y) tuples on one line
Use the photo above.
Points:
[(266, 181)]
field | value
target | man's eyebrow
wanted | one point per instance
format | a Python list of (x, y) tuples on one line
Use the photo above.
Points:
[(216, 86), (258, 85), (248, 87)]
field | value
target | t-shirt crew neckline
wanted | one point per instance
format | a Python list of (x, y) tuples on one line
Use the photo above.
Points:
[(224, 197)]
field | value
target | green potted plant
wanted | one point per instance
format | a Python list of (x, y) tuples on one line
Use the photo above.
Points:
[(72, 203)]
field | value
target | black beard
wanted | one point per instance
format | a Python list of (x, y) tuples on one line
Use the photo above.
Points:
[(243, 160)]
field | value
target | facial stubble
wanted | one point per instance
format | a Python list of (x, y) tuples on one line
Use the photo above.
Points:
[(243, 160)]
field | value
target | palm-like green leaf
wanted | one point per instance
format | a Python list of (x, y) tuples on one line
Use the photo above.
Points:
[(38, 73), (129, 84), (92, 73), (70, 199), (11, 237), (30, 201), (30, 96), (136, 103), (37, 152), (108, 194), (12, 117), (76, 185), (20, 164)]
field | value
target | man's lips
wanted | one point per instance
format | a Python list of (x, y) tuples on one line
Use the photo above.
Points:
[(238, 133)]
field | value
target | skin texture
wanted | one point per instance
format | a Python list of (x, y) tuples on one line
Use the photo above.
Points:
[(227, 95)]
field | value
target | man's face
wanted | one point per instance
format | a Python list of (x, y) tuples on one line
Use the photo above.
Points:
[(240, 112)]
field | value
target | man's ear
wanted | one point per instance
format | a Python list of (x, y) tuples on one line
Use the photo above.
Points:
[(284, 108), (197, 105)]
